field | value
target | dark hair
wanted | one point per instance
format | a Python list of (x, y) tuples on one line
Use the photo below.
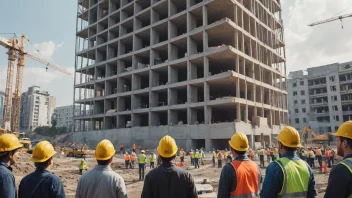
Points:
[(238, 152), (168, 159), (104, 162), (289, 149), (43, 165), (349, 141)]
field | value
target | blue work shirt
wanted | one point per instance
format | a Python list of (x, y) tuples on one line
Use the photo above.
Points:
[(7, 182), (274, 179), (51, 186), (228, 178)]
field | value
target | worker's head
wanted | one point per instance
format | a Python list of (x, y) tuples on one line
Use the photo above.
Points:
[(9, 148), (167, 149), (344, 139), (143, 151), (43, 154), (288, 140), (104, 152), (239, 144)]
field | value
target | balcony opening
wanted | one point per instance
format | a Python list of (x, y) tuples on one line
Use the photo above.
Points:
[(126, 27), (142, 20), (178, 72), (110, 122), (98, 124), (93, 15), (196, 18), (124, 103), (114, 33), (113, 50), (159, 98), (126, 45), (127, 12), (178, 95), (197, 115), (222, 90), (196, 44), (218, 38), (111, 87), (197, 93), (221, 64), (223, 114), (100, 72), (216, 14), (141, 80), (142, 60), (110, 106), (99, 107), (125, 65), (160, 55), (160, 77), (177, 6), (102, 38), (114, 19), (159, 118), (101, 52), (159, 12), (160, 33), (140, 120), (115, 5), (142, 40), (140, 101), (178, 117), (141, 5), (125, 84), (178, 26), (124, 121), (196, 68), (178, 49), (195, 2), (103, 9)]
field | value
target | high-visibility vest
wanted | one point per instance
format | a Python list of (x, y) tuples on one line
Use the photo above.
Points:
[(247, 179), (142, 158), (83, 165), (348, 163), (276, 152), (214, 154), (226, 154), (133, 157), (311, 154), (304, 153), (251, 153), (296, 177), (196, 155), (219, 156), (126, 157), (182, 153), (318, 152), (152, 158), (191, 154), (268, 152), (261, 152)]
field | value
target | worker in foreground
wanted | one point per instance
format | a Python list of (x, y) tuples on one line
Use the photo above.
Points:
[(167, 180), (241, 177), (9, 153), (288, 176), (42, 183), (340, 178), (102, 181), (141, 161)]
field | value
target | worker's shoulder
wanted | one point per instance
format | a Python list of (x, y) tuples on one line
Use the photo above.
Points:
[(341, 170), (5, 173)]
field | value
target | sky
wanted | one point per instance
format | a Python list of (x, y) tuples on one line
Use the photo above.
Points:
[(51, 27)]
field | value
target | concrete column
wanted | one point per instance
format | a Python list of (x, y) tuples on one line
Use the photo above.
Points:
[(206, 67), (208, 144), (205, 41), (207, 114), (205, 16), (238, 111), (206, 92)]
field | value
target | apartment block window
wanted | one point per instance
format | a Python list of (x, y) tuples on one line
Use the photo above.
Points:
[(334, 98), (296, 110), (337, 118), (336, 128), (304, 110), (294, 84), (297, 121), (305, 120), (301, 83), (335, 108), (303, 101), (302, 92), (332, 88), (295, 93), (332, 78), (295, 102)]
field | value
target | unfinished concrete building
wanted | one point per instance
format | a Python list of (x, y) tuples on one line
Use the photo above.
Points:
[(197, 70)]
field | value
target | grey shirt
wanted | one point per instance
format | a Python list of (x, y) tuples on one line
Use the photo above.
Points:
[(169, 181), (101, 182)]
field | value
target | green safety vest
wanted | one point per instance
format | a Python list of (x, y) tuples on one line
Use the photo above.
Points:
[(142, 158), (304, 153), (152, 158), (276, 152), (311, 154), (261, 152), (296, 178), (348, 163), (83, 165), (196, 155)]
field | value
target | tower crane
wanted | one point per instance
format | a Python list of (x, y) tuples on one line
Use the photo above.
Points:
[(331, 19), (15, 51)]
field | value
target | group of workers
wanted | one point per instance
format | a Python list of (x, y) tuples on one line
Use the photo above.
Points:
[(287, 176), (319, 154)]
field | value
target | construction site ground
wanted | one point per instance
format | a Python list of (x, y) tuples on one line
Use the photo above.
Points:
[(67, 169)]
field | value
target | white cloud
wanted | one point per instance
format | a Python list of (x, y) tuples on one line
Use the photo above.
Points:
[(318, 45), (47, 49)]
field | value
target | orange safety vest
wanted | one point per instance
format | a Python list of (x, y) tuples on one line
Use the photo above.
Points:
[(182, 153), (133, 157), (318, 152), (327, 153), (251, 153), (247, 179), (267, 152), (127, 157), (191, 154)]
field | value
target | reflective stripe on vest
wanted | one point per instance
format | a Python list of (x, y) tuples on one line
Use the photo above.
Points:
[(141, 158), (296, 177), (196, 155), (348, 163), (247, 179)]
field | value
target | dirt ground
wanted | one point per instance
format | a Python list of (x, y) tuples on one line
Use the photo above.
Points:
[(67, 169)]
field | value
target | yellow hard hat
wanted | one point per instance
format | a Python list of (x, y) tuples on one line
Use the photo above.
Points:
[(9, 142), (167, 147), (239, 142), (105, 150), (43, 151), (289, 137), (345, 130)]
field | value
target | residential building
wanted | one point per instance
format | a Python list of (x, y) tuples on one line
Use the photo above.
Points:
[(2, 102), (196, 70), (321, 97), (64, 117), (37, 107)]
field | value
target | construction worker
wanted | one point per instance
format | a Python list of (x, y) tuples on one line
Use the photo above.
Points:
[(182, 155), (9, 153), (220, 157), (214, 157), (134, 147), (121, 149), (152, 158), (288, 176), (327, 157), (276, 153), (272, 154), (196, 159), (133, 159), (340, 178), (202, 156), (319, 157), (127, 159), (261, 153), (83, 166), (226, 153), (168, 180), (141, 161), (102, 181), (311, 157), (42, 183), (268, 157), (191, 155), (304, 154), (241, 177), (251, 153)]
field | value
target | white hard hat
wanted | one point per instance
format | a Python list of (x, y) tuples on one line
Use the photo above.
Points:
[(142, 151)]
